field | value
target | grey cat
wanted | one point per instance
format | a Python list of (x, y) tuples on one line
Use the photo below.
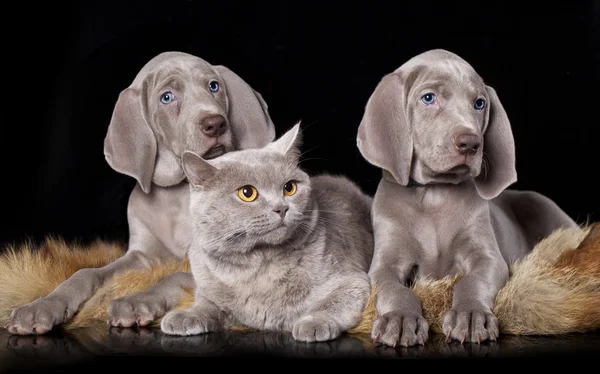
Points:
[(275, 249)]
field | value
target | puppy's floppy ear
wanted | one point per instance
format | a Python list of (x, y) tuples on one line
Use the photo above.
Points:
[(130, 145), (249, 117), (499, 149), (198, 170), (384, 137), (289, 143)]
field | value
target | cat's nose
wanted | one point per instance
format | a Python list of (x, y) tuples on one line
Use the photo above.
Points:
[(281, 210)]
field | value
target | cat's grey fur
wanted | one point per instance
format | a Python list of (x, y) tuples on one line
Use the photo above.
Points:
[(307, 275)]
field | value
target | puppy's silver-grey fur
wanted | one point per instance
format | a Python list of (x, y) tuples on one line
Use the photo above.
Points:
[(293, 258), (176, 102), (446, 150)]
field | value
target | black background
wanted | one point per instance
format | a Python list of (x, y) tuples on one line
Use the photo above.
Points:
[(65, 64)]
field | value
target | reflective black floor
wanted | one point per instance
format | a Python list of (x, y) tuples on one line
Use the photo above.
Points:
[(104, 346)]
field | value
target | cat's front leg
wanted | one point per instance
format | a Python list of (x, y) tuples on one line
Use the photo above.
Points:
[(204, 316), (337, 311)]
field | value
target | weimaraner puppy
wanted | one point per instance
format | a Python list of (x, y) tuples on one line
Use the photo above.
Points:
[(445, 146), (177, 102)]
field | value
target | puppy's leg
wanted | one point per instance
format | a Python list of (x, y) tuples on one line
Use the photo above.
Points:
[(41, 315), (203, 317), (144, 307), (401, 318), (396, 255), (339, 309), (471, 317)]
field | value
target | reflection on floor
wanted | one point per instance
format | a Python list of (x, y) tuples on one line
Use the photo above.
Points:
[(59, 348)]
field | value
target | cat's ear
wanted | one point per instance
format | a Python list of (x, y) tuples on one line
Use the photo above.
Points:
[(289, 143), (197, 169)]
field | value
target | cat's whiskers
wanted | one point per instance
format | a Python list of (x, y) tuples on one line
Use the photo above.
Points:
[(334, 212), (309, 150), (210, 244), (262, 225), (325, 219), (234, 237), (331, 233), (260, 220), (315, 158), (303, 229), (306, 226), (227, 236)]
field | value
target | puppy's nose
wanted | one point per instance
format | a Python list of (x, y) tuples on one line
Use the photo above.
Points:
[(467, 143), (213, 126), (281, 210)]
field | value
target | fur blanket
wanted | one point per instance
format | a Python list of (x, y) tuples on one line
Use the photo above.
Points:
[(554, 290)]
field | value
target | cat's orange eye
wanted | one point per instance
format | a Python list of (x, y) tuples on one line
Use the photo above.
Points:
[(290, 188), (247, 193)]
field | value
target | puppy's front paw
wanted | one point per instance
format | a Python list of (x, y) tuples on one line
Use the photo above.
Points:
[(187, 322), (140, 308), (467, 324), (313, 328), (403, 328), (38, 317)]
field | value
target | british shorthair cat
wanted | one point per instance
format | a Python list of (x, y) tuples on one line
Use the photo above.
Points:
[(274, 249)]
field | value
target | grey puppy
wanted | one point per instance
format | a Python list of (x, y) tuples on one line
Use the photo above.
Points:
[(274, 249), (176, 102), (446, 150)]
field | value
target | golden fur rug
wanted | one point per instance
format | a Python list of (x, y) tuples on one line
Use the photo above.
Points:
[(554, 290)]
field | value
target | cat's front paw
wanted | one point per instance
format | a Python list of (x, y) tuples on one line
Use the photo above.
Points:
[(470, 324), (187, 322), (313, 328)]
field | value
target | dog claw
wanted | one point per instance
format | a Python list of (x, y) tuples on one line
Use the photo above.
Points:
[(404, 342)]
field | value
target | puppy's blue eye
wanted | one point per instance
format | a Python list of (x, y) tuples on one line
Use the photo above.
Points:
[(213, 86), (167, 97), (428, 98), (479, 104)]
